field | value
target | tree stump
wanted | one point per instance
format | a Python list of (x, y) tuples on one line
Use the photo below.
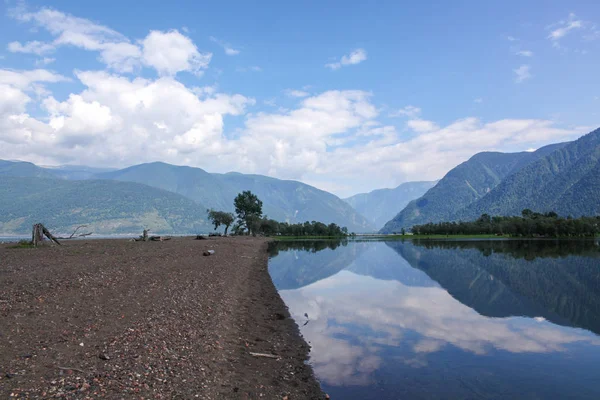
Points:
[(38, 233)]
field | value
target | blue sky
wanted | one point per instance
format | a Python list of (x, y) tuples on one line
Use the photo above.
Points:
[(347, 97)]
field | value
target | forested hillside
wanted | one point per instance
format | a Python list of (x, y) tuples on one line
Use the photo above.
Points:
[(464, 185), (105, 206), (566, 181)]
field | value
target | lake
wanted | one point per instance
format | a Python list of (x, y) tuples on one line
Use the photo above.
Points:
[(446, 319)]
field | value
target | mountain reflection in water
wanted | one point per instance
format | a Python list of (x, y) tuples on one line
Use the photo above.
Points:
[(477, 319)]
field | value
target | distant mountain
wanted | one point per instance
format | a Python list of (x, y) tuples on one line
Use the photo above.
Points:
[(566, 181), (464, 185), (77, 172), (105, 206), (23, 169), (379, 206), (283, 200)]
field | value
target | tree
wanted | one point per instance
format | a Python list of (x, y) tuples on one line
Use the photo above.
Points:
[(248, 208), (219, 218)]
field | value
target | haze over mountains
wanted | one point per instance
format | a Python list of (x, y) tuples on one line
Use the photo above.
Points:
[(381, 205), (563, 177)]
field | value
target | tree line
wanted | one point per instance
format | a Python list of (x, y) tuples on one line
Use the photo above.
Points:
[(529, 224), (249, 219)]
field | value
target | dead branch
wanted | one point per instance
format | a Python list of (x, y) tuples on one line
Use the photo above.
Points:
[(75, 231)]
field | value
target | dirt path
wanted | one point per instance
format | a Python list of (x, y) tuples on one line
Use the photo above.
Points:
[(119, 319)]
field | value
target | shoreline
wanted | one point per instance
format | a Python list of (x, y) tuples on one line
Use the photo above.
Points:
[(112, 318)]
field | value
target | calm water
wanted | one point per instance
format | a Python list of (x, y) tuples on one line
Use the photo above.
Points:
[(423, 320)]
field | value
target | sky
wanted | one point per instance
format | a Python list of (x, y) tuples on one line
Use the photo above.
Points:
[(348, 97)]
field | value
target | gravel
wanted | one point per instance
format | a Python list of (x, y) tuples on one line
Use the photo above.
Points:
[(147, 320)]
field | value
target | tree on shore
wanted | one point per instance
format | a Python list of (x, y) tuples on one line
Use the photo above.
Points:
[(529, 224), (248, 208), (219, 218)]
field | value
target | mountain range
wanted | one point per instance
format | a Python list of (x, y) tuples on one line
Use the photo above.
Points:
[(175, 190), (562, 177), (381, 205)]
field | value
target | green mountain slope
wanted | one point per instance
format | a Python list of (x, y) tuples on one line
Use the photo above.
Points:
[(464, 185), (282, 199), (105, 206), (379, 206), (566, 181)]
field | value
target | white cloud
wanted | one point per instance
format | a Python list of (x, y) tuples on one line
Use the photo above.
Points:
[(421, 125), (119, 121), (523, 73), (478, 100), (167, 52), (563, 28), (407, 111), (229, 50), (296, 93), (34, 47), (355, 57), (525, 53), (26, 79), (45, 61), (172, 52)]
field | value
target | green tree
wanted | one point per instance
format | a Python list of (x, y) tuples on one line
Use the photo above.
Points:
[(248, 208), (219, 218)]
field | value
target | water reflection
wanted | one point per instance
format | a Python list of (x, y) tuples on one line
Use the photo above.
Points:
[(393, 319)]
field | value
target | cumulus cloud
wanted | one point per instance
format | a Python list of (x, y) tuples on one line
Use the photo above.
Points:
[(168, 52), (522, 73), (119, 121), (355, 57), (172, 52), (421, 125)]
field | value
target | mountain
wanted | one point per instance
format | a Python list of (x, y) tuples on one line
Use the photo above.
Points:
[(105, 206), (566, 181), (76, 172), (283, 200), (23, 169), (379, 206), (464, 185)]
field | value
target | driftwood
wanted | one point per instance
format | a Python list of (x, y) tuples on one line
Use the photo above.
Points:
[(75, 232), (38, 233), (144, 237), (159, 238), (264, 355), (71, 369)]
